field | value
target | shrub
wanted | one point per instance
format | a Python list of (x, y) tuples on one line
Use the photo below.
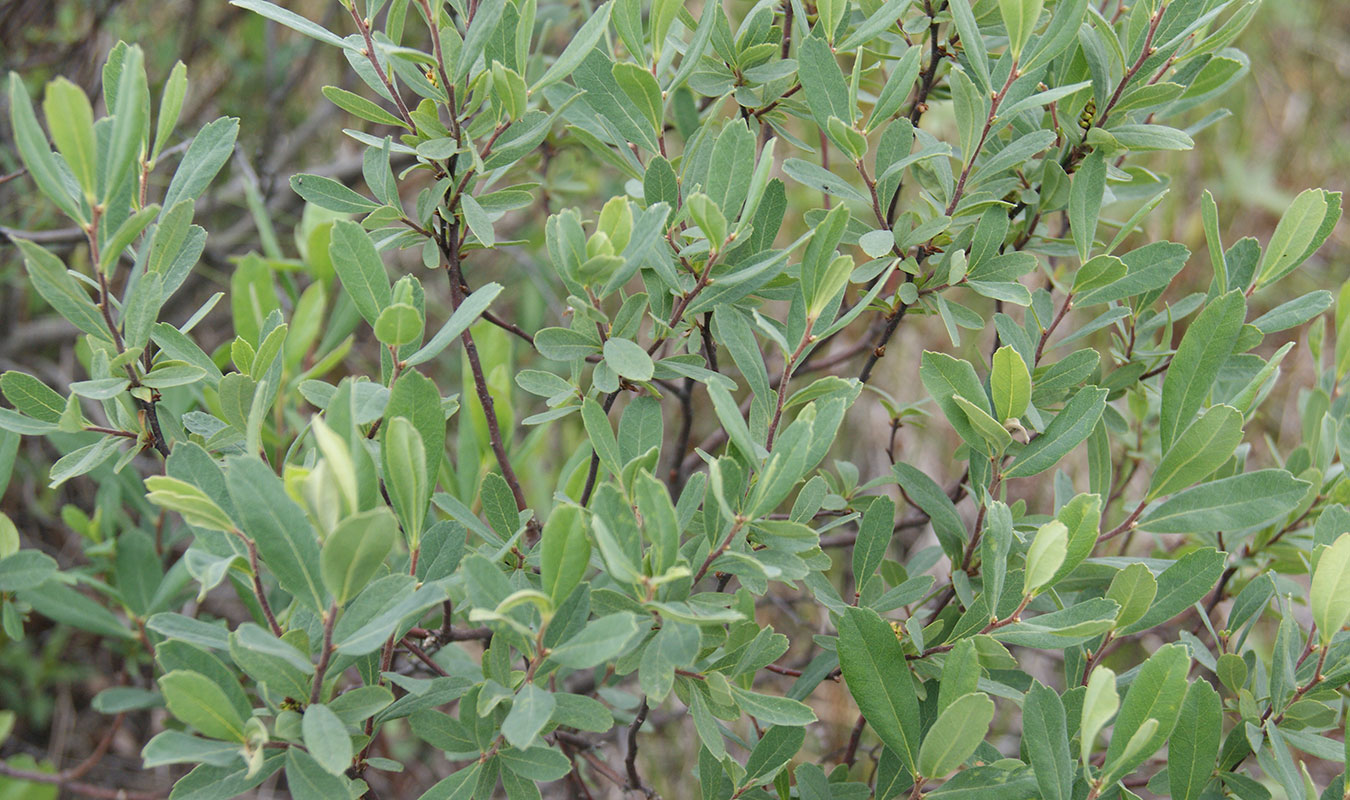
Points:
[(320, 559)]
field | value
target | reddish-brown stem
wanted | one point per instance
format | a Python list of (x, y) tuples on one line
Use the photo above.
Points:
[(1126, 524), (258, 592), (379, 70), (788, 364), (422, 656), (984, 135), (325, 653), (722, 548)]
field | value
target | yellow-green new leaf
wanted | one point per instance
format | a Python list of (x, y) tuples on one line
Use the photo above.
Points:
[(1133, 589), (565, 552), (1329, 597), (955, 735), (1019, 17), (192, 503), (197, 700), (1010, 383), (1045, 555), (70, 118), (1294, 236), (406, 476), (1099, 705), (355, 550)]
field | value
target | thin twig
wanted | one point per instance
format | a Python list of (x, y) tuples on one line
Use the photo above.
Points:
[(325, 654)]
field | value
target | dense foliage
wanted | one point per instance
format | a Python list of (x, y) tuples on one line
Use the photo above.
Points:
[(307, 552)]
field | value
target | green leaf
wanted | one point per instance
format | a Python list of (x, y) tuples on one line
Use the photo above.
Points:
[(1329, 596), (1045, 733), (31, 396), (1202, 353), (460, 785), (405, 475), (874, 536), (1099, 705), (955, 735), (1228, 504), (1155, 694), (1085, 202), (822, 83), (933, 501), (1069, 427), (972, 111), (1294, 235), (61, 603), (564, 344), (595, 76), (876, 243), (1009, 383), (1204, 447), (642, 89), (330, 194), (197, 700), (327, 739), (773, 710), (944, 377), (36, 154), (1133, 589), (882, 18), (565, 552), (196, 507), (55, 285), (125, 234), (468, 312), (359, 106), (536, 763), (629, 359), (308, 779), (603, 638), (709, 218), (355, 550), (1194, 747), (992, 434), (530, 712), (580, 46), (170, 106), (398, 324), (24, 569), (487, 16), (772, 752), (130, 124), (210, 149), (873, 665), (391, 603), (822, 180), (1180, 586), (283, 534), (360, 269), (70, 118), (292, 20), (480, 224), (1019, 17), (176, 747), (1044, 556)]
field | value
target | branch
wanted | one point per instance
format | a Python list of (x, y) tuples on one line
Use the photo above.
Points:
[(630, 762), (62, 780), (325, 654)]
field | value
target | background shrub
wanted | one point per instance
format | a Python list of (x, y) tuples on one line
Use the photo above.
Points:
[(1073, 559)]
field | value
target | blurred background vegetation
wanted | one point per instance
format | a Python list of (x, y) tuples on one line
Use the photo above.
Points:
[(1289, 129)]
